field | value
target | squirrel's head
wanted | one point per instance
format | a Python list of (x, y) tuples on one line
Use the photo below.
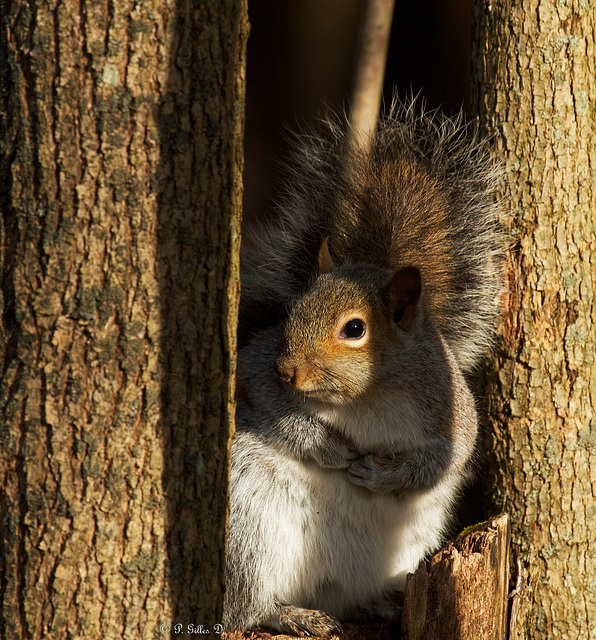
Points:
[(339, 334)]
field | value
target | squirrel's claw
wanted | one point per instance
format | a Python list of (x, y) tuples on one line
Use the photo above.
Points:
[(368, 473), (337, 455), (307, 622)]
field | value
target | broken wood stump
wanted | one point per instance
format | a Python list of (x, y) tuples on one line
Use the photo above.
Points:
[(461, 592)]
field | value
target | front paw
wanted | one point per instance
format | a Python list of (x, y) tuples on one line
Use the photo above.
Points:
[(374, 474), (337, 454)]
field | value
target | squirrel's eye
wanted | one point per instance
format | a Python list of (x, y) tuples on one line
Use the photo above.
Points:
[(354, 328)]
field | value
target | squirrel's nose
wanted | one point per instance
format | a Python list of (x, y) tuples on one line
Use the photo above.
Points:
[(285, 372)]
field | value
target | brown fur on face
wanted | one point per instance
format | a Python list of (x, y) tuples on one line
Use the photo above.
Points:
[(316, 355), (315, 359)]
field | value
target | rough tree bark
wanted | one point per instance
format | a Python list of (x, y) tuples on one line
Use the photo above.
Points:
[(120, 133), (535, 70)]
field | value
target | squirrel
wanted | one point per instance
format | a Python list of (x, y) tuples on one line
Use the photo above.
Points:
[(365, 306)]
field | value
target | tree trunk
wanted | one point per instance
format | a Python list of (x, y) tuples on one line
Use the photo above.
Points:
[(120, 193), (535, 70)]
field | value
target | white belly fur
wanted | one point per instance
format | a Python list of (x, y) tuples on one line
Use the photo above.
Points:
[(329, 544)]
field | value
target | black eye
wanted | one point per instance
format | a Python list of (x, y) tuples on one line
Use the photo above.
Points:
[(354, 328)]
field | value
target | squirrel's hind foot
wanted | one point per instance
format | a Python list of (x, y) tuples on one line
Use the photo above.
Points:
[(305, 622)]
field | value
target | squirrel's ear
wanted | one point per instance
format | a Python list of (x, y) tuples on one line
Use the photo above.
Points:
[(404, 291), (326, 263)]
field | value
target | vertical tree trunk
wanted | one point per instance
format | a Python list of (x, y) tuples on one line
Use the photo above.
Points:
[(536, 93), (120, 192)]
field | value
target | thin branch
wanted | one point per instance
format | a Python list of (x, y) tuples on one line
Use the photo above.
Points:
[(370, 72)]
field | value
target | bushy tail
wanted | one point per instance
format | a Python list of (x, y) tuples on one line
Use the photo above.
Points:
[(424, 196)]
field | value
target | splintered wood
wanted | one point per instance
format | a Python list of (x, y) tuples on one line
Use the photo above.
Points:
[(461, 592)]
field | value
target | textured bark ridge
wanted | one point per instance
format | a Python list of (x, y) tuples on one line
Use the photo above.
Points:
[(121, 155), (535, 82)]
